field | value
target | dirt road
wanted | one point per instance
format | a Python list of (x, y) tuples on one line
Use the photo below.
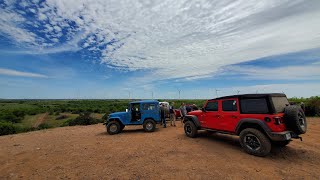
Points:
[(89, 152), (40, 120)]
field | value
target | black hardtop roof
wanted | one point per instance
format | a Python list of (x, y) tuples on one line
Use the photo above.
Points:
[(251, 96)]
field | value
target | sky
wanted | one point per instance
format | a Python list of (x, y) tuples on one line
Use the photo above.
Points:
[(159, 48)]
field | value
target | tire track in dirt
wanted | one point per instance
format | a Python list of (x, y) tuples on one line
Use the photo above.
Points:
[(40, 120)]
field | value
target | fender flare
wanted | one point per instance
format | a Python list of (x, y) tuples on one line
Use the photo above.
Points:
[(258, 122), (194, 119), (115, 119)]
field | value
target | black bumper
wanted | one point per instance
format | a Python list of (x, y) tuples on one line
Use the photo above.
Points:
[(282, 136)]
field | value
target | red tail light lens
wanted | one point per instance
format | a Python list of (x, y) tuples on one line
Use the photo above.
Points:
[(277, 120)]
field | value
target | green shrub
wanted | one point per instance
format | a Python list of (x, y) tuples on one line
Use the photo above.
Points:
[(105, 116), (83, 119), (7, 128), (11, 116), (44, 126), (61, 117)]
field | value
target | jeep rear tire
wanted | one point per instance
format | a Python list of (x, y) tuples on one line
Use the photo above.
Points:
[(281, 143), (113, 127), (149, 125), (190, 129), (295, 119), (255, 142)]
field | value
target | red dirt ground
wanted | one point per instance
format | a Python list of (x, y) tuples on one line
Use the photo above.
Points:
[(89, 152)]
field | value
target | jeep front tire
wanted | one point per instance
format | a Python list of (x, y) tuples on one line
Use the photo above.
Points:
[(113, 127), (255, 142), (149, 125), (190, 129)]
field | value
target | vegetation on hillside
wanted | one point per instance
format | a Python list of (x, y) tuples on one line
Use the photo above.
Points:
[(20, 115)]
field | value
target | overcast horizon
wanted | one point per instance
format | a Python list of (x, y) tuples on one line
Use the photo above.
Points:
[(121, 49)]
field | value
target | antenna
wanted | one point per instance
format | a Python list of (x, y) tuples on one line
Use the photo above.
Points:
[(152, 94), (217, 92), (238, 91)]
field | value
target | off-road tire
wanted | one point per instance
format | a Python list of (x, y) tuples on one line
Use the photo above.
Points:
[(295, 119), (280, 143), (190, 129), (265, 144), (149, 125), (113, 127), (121, 127)]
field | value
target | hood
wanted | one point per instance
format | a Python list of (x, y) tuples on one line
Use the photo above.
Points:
[(117, 114), (197, 112)]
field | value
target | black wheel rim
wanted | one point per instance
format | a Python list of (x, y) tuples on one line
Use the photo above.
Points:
[(301, 120), (188, 129), (252, 142)]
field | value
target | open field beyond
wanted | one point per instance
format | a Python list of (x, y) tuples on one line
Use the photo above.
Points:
[(89, 152)]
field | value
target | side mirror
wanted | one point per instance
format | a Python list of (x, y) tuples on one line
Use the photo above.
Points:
[(203, 109), (126, 110)]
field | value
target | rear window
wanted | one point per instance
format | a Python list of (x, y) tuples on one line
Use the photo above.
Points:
[(280, 103), (254, 106), (229, 105), (149, 106)]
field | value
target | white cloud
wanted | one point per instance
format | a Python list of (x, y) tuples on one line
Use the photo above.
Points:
[(11, 72), (9, 26), (179, 39), (300, 72)]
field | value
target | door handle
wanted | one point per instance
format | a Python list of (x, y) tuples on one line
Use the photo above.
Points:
[(217, 116), (233, 116)]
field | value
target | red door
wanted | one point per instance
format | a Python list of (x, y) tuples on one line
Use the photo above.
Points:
[(229, 114), (211, 117)]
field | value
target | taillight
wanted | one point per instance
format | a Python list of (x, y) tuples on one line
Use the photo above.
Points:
[(277, 120)]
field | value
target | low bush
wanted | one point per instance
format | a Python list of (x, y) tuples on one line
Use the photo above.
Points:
[(83, 119), (7, 128), (61, 117), (44, 126)]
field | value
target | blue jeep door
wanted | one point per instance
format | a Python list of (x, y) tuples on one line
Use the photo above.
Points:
[(150, 110)]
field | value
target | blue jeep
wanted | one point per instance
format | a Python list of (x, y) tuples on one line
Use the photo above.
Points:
[(146, 113)]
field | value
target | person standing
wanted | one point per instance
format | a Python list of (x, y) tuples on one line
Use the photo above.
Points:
[(172, 115), (163, 115), (194, 107), (183, 111)]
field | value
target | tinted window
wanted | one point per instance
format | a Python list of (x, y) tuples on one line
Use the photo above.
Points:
[(280, 103), (149, 106), (254, 106), (212, 106), (229, 105)]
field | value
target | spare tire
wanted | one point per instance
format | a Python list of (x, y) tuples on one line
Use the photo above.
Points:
[(295, 119)]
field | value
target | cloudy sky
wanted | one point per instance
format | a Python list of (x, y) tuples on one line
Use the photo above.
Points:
[(125, 48)]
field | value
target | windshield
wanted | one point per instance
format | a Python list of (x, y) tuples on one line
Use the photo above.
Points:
[(280, 103)]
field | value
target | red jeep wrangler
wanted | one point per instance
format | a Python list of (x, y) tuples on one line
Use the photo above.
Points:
[(261, 120)]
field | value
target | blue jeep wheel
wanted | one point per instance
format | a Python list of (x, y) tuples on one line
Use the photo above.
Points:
[(113, 127), (149, 125)]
